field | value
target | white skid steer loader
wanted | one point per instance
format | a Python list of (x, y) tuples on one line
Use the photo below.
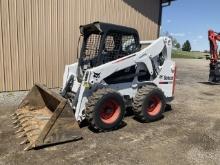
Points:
[(113, 72)]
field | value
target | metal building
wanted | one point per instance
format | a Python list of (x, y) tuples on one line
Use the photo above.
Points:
[(38, 37)]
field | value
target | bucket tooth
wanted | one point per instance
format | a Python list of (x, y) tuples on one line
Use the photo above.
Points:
[(25, 142), (25, 116), (15, 117), (28, 147), (25, 126), (20, 114), (14, 114), (16, 122), (22, 135), (19, 130), (18, 125), (24, 121)]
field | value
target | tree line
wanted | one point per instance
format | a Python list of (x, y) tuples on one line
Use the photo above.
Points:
[(185, 47)]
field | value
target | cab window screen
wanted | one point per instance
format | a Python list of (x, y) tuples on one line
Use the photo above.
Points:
[(116, 46), (92, 46)]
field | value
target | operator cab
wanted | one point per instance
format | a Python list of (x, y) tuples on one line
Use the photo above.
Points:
[(104, 42)]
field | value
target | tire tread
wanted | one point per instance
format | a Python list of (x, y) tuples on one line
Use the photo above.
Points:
[(90, 105), (139, 99)]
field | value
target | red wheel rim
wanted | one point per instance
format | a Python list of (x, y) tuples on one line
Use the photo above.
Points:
[(110, 111), (154, 106)]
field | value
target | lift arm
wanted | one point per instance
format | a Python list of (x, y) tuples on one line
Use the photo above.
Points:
[(144, 56)]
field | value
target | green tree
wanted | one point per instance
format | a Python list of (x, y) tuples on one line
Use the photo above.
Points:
[(178, 46), (186, 46)]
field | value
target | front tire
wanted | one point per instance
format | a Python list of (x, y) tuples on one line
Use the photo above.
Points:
[(105, 110), (149, 104)]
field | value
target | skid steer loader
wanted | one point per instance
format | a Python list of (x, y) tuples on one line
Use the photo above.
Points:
[(113, 72)]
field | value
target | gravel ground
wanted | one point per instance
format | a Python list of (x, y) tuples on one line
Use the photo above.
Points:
[(188, 134)]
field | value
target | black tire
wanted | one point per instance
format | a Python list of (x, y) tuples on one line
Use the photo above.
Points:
[(149, 104), (105, 110)]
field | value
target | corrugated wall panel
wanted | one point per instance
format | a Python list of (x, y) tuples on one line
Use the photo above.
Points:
[(41, 41), (39, 37), (14, 44), (48, 51), (66, 34), (54, 52), (6, 45), (28, 43), (72, 31), (60, 40), (21, 45), (35, 47), (2, 69)]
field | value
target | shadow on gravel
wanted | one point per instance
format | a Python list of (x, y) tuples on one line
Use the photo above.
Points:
[(56, 144), (168, 108), (209, 83), (129, 112), (123, 124), (141, 121)]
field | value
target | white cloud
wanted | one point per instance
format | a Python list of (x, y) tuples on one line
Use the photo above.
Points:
[(178, 34), (200, 37), (169, 21)]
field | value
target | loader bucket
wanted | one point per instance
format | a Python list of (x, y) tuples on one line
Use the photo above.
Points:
[(45, 118)]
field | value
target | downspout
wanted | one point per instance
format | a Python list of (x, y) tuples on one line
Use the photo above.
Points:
[(160, 14), (159, 20)]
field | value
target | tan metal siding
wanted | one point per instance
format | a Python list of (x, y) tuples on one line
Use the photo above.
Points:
[(35, 47), (6, 45), (39, 37), (14, 43), (48, 50), (2, 69), (41, 41), (54, 54), (21, 45), (28, 43)]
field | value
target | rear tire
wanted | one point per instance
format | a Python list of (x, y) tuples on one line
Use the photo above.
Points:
[(149, 104), (105, 110)]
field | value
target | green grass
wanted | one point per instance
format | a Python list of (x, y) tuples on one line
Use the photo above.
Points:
[(188, 55)]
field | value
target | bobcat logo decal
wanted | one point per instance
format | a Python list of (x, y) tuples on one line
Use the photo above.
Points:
[(96, 75)]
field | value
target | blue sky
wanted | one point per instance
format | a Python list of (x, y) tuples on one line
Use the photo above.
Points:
[(191, 19)]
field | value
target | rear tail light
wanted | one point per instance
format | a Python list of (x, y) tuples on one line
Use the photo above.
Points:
[(174, 81)]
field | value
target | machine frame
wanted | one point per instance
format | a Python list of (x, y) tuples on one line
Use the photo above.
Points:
[(147, 58)]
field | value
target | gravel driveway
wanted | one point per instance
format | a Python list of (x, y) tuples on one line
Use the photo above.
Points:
[(188, 134)]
